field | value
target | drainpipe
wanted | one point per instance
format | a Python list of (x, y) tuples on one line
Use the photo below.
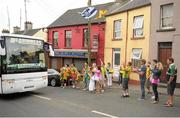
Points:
[(126, 43)]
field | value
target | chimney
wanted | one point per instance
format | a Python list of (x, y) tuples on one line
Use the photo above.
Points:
[(5, 31), (16, 29), (28, 25)]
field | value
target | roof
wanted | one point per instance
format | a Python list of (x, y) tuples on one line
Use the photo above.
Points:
[(72, 17), (127, 5), (30, 32)]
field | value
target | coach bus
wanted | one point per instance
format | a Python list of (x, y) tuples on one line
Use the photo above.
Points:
[(22, 64)]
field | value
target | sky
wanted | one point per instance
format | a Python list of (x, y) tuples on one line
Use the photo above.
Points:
[(40, 12)]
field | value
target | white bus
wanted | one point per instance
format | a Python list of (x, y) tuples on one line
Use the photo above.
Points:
[(22, 64)]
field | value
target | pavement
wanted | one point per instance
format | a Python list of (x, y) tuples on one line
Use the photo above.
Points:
[(68, 102)]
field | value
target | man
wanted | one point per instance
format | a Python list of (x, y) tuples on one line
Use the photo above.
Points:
[(142, 77), (171, 77)]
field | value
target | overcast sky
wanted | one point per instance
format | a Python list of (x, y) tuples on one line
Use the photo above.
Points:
[(40, 12)]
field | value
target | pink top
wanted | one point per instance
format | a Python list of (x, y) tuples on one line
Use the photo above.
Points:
[(98, 74), (154, 81)]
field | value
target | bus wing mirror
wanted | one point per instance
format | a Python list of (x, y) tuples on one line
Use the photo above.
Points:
[(2, 47), (51, 51)]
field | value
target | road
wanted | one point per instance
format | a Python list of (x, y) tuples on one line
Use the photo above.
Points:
[(58, 102)]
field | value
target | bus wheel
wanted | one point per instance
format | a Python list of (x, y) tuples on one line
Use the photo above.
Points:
[(53, 82)]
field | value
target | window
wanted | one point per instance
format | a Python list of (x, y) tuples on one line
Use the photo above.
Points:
[(55, 39), (116, 56), (117, 29), (68, 39), (136, 56), (85, 38), (138, 26), (167, 16)]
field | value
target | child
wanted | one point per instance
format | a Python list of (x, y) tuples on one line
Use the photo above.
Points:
[(74, 74), (109, 73), (126, 76), (86, 76), (92, 81), (98, 76), (148, 76)]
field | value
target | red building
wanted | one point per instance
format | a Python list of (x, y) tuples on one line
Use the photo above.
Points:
[(68, 35)]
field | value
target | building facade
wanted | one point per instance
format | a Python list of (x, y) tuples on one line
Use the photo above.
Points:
[(128, 32), (69, 37), (165, 32)]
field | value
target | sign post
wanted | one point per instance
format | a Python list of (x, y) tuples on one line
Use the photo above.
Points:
[(89, 36)]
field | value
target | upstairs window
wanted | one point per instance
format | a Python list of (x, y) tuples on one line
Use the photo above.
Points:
[(68, 39), (85, 38), (167, 16), (117, 29), (55, 39), (138, 26)]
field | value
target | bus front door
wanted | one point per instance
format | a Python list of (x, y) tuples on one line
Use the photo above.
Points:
[(2, 53)]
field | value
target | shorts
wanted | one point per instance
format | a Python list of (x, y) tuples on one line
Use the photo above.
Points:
[(170, 88), (125, 82), (147, 83)]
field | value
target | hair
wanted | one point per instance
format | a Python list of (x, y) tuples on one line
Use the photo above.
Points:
[(143, 61), (109, 63), (155, 61), (160, 66), (99, 68), (149, 62), (130, 63), (171, 59), (67, 65)]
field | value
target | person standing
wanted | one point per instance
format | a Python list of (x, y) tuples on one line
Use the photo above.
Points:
[(74, 73), (103, 79), (156, 71), (148, 76), (109, 73), (171, 77), (125, 80), (142, 77), (86, 76)]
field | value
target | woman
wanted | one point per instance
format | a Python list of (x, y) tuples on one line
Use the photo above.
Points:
[(156, 71)]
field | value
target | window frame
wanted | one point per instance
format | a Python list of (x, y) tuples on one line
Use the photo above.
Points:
[(83, 42), (119, 31), (68, 38), (136, 61), (162, 17), (55, 39), (116, 51), (135, 29)]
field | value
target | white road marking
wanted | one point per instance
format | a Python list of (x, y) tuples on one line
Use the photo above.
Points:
[(104, 114), (42, 97)]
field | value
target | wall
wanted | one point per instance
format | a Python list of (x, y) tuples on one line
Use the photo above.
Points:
[(77, 37), (41, 34), (171, 36), (127, 19)]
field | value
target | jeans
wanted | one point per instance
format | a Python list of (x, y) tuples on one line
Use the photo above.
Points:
[(154, 87), (142, 83)]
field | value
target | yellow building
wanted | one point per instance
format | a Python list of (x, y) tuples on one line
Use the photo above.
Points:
[(127, 34)]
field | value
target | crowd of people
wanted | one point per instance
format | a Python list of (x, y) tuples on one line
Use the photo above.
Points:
[(98, 77)]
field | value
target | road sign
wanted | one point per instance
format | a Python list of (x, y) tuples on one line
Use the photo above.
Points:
[(89, 12)]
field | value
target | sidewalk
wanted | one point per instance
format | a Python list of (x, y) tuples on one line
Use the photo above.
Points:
[(162, 88)]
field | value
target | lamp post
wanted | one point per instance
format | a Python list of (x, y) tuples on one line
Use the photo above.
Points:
[(89, 36)]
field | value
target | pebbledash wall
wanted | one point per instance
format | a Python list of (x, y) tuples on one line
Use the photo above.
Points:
[(97, 31), (165, 42)]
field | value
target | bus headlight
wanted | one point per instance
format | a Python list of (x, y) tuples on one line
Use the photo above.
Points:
[(8, 81), (44, 77)]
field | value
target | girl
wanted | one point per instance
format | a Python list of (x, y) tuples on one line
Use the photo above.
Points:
[(148, 76), (155, 80), (74, 74), (92, 81), (86, 76), (98, 76)]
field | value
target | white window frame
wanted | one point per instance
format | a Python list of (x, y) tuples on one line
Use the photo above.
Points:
[(117, 30), (163, 17), (136, 59), (138, 25)]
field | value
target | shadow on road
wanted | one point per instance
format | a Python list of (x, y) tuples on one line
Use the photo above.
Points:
[(15, 96)]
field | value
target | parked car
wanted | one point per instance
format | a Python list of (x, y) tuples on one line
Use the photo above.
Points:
[(53, 78)]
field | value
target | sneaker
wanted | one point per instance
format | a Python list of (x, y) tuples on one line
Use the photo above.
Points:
[(84, 89), (102, 91), (153, 97), (154, 102), (140, 99)]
